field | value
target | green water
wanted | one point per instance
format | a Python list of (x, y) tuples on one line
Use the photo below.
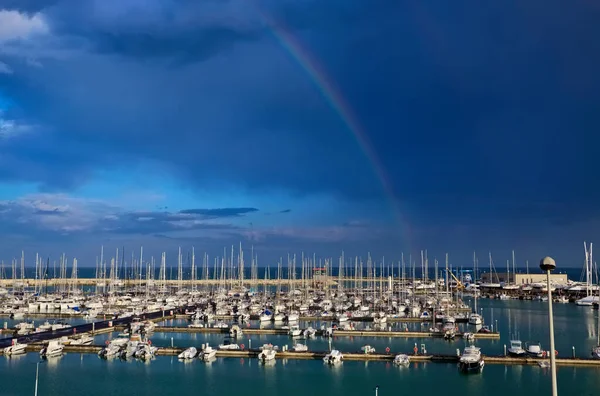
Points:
[(86, 374)]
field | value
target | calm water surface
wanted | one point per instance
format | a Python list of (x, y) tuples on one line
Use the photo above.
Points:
[(75, 374)]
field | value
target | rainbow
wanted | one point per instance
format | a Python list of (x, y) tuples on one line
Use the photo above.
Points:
[(337, 102)]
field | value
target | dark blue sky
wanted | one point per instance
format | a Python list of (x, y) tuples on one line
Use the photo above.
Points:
[(201, 123)]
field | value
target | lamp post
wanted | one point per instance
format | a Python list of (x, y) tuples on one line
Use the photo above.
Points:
[(548, 264), (37, 370)]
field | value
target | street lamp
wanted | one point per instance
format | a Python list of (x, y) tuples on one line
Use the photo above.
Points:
[(548, 264), (37, 372)]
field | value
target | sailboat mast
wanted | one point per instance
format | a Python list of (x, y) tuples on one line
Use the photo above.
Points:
[(514, 269)]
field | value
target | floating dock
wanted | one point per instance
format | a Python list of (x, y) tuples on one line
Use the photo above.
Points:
[(350, 356), (336, 333)]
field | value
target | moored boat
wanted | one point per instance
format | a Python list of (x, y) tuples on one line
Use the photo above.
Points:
[(471, 360)]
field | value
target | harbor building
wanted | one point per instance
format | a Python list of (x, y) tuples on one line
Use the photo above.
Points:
[(522, 279)]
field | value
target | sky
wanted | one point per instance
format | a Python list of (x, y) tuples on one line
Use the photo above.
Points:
[(290, 126)]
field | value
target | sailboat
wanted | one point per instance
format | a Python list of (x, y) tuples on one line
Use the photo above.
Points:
[(474, 317)]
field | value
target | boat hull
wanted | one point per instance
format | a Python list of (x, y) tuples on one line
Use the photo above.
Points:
[(471, 367)]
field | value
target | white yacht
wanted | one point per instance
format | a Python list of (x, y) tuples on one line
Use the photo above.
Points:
[(279, 317), (111, 349), (83, 339), (196, 323), (516, 348), (300, 348), (475, 319), (367, 349), (309, 332), (266, 316), (402, 360), (535, 350), (295, 331), (207, 353), (15, 348), (587, 301), (53, 348), (189, 353), (471, 360), (129, 350), (333, 357), (469, 337), (145, 351), (229, 346), (341, 317), (267, 354)]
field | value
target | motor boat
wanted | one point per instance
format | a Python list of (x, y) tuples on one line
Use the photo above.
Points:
[(221, 325), (266, 316), (516, 348), (145, 351), (475, 319), (534, 350), (367, 349), (469, 336), (207, 353), (54, 348), (279, 317), (300, 348), (449, 334), (110, 350), (129, 349), (333, 357), (268, 353), (295, 331), (309, 332), (15, 348), (189, 353), (471, 360), (84, 339), (341, 317), (229, 346), (402, 360)]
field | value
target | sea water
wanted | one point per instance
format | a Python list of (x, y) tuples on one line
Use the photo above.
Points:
[(86, 374)]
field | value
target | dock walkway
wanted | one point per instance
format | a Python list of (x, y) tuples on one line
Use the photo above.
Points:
[(253, 353), (336, 333)]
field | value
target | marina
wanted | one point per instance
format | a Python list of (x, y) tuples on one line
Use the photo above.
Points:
[(297, 198), (339, 318)]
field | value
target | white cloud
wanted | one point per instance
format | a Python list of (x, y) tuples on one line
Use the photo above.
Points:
[(10, 128), (4, 68), (15, 25), (56, 212)]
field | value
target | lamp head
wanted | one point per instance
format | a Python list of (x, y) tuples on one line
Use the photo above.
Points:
[(547, 264)]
